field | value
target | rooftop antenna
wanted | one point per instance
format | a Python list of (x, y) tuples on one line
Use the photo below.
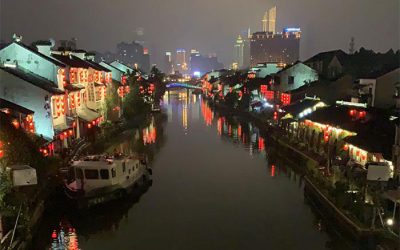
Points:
[(351, 48)]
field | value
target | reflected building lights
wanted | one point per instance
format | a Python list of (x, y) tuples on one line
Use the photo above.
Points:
[(185, 118), (149, 133)]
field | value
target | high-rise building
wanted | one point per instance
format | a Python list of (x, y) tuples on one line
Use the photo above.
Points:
[(168, 66), (267, 47), (180, 60), (134, 55), (246, 49), (201, 64), (272, 19), (269, 20), (239, 52)]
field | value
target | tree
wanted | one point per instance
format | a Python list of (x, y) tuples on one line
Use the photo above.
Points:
[(157, 78), (134, 102)]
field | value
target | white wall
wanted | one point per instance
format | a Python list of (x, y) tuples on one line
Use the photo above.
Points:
[(29, 61), (265, 70), (301, 72), (25, 94)]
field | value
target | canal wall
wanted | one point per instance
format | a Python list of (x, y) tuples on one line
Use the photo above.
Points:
[(362, 237)]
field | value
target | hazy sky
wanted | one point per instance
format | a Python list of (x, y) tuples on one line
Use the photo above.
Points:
[(207, 25)]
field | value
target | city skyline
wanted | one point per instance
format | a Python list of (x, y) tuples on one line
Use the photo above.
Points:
[(102, 34)]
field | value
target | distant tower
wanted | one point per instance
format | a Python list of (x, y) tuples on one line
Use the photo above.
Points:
[(272, 19), (351, 48), (265, 22), (239, 46), (269, 20)]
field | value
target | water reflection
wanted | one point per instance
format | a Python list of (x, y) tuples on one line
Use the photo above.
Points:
[(218, 185)]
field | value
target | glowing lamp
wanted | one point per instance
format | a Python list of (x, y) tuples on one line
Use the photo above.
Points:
[(345, 147), (70, 132), (54, 234), (89, 125), (61, 137), (326, 138), (1, 153), (15, 123)]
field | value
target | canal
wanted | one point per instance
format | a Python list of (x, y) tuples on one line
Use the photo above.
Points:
[(216, 185)]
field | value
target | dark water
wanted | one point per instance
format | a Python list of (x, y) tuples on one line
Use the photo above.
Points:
[(215, 186)]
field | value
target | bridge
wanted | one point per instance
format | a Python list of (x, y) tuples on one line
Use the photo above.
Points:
[(182, 85)]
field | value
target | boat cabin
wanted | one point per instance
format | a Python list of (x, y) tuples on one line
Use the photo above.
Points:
[(99, 171)]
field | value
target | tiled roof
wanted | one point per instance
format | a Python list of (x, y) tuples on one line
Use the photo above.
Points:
[(72, 61), (328, 55), (97, 66), (34, 79), (110, 66)]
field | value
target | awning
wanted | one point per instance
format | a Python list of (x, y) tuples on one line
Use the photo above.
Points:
[(61, 127), (88, 115)]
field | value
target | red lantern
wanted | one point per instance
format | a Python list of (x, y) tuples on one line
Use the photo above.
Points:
[(345, 147), (326, 138), (272, 170), (61, 137), (70, 132), (1, 153), (89, 125)]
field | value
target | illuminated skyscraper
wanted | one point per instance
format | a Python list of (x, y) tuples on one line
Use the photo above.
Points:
[(272, 19), (168, 66), (269, 20), (180, 60), (239, 50)]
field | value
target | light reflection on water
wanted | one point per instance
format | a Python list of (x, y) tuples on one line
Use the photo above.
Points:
[(216, 186)]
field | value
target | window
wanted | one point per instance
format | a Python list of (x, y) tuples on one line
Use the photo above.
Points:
[(53, 104), (290, 79), (113, 173), (91, 92), (104, 174), (123, 167), (91, 174)]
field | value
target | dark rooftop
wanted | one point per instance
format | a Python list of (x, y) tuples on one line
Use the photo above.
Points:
[(72, 61), (97, 66), (328, 55), (34, 79)]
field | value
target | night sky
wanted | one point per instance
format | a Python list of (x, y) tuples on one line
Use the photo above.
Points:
[(207, 25)]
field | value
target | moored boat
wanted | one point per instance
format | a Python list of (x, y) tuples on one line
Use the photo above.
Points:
[(99, 178)]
